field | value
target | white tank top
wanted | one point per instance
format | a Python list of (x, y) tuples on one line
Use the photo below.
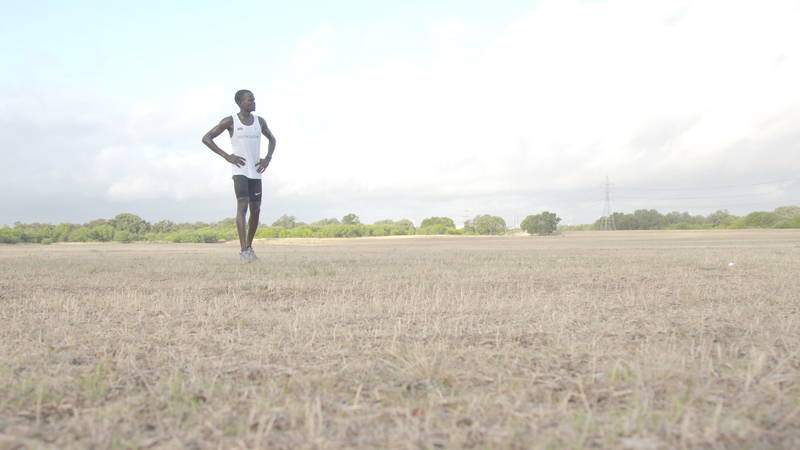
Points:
[(246, 142)]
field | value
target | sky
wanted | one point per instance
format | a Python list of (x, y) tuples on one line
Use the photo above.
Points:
[(395, 110)]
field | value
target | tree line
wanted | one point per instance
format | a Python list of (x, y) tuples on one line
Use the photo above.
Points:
[(127, 227), (650, 219)]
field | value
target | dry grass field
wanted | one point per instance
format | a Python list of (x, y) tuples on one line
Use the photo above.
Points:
[(639, 340)]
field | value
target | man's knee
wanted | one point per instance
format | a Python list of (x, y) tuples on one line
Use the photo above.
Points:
[(241, 204), (255, 207)]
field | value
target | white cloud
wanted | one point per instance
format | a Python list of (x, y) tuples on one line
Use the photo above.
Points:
[(570, 92)]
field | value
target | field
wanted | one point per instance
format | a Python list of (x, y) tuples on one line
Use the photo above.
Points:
[(639, 340)]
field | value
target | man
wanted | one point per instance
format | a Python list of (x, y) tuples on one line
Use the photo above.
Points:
[(245, 130)]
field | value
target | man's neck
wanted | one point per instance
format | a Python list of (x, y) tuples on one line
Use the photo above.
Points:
[(245, 114)]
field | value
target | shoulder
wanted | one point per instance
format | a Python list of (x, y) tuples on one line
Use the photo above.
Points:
[(262, 121)]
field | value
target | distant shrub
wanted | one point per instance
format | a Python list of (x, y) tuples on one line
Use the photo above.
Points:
[(103, 233), (486, 224), (788, 223), (9, 236), (431, 221), (542, 223), (124, 236), (202, 235), (761, 219), (437, 229), (82, 234), (267, 233)]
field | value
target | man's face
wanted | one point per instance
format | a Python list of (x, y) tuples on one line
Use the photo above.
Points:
[(248, 102)]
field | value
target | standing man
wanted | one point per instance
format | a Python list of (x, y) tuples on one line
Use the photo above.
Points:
[(245, 130)]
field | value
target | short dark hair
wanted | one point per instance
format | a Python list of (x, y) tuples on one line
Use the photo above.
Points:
[(239, 94)]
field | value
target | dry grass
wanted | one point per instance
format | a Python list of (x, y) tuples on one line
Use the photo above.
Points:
[(616, 340)]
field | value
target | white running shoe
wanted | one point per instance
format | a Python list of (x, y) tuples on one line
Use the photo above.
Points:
[(252, 254)]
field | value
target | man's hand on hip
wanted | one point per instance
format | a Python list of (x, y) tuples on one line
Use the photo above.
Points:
[(236, 160), (262, 165)]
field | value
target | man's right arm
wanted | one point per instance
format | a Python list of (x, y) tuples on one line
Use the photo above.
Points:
[(208, 139)]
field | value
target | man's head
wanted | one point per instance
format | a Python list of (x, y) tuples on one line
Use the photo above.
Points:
[(246, 100)]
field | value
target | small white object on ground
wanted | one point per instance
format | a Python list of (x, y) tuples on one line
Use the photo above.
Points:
[(731, 264)]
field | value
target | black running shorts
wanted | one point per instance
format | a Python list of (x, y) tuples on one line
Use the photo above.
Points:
[(247, 187)]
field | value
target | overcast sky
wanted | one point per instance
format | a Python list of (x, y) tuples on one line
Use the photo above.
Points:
[(401, 109)]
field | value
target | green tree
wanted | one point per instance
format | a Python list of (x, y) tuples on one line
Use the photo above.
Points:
[(102, 233), (323, 222), (542, 223), (486, 224), (720, 218), (675, 217), (98, 222), (285, 221), (437, 228), (80, 234), (761, 219), (430, 221), (350, 219), (405, 226), (131, 223), (230, 222), (788, 212), (9, 235), (124, 236), (648, 219), (164, 226), (61, 231)]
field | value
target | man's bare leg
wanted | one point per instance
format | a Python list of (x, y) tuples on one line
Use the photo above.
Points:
[(252, 226), (241, 214)]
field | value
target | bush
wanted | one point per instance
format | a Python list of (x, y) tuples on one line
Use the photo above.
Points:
[(350, 219), (486, 224), (131, 223), (542, 223), (102, 233), (164, 226), (124, 236), (437, 229), (264, 233), (9, 236), (203, 235), (761, 219), (323, 222), (285, 222), (82, 234), (431, 221), (61, 231), (788, 223)]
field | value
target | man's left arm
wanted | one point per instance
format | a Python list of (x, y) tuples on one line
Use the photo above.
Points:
[(262, 165)]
